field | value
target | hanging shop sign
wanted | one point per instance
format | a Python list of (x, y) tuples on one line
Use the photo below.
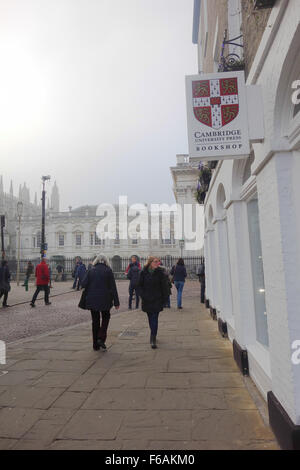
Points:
[(217, 116)]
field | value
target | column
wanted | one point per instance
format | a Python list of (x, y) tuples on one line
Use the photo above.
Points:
[(224, 275)]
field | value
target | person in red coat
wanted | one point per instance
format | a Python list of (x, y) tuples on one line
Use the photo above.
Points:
[(42, 280)]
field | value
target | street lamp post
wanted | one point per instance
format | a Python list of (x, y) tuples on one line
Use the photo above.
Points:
[(43, 248), (19, 212), (2, 235), (181, 244)]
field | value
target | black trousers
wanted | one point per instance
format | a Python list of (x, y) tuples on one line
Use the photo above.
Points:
[(153, 322), (38, 290), (4, 292), (137, 299), (100, 332)]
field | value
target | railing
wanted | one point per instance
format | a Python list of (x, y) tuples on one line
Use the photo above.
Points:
[(117, 263), (232, 61)]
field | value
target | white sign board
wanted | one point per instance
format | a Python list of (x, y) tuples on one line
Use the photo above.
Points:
[(217, 116)]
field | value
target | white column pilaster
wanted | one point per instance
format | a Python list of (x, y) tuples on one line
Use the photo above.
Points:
[(278, 211)]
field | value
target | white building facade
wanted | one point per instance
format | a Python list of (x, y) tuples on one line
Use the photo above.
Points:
[(252, 229)]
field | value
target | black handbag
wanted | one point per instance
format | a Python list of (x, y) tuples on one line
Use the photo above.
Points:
[(82, 301)]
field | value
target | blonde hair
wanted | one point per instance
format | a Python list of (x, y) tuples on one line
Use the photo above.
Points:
[(100, 259), (150, 260)]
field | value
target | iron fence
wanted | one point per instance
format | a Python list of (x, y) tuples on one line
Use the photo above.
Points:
[(117, 263)]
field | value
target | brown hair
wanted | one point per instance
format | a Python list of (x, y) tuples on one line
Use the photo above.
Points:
[(150, 260)]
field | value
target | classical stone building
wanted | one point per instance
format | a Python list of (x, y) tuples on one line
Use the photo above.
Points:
[(74, 232), (252, 207)]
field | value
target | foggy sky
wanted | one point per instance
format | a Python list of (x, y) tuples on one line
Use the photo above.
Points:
[(92, 93)]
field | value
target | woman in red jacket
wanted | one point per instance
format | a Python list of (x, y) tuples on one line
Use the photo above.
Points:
[(42, 281)]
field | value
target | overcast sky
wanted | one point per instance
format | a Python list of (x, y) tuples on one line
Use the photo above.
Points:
[(92, 93)]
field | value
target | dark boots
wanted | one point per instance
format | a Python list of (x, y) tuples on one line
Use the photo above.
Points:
[(153, 341)]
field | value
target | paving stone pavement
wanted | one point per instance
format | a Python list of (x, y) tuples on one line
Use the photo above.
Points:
[(57, 393)]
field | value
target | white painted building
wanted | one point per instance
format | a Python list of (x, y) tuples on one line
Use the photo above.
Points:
[(252, 228)]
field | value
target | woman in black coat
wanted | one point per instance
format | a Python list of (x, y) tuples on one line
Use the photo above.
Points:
[(101, 295), (154, 292)]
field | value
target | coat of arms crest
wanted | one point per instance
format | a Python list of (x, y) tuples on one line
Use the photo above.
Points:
[(215, 102)]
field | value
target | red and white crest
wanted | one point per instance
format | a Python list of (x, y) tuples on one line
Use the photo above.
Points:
[(215, 102)]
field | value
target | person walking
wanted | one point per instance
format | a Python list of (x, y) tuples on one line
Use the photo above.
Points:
[(75, 274), (101, 294), (133, 275), (42, 280), (133, 261), (201, 276), (179, 274), (154, 292), (4, 282), (60, 272), (81, 271), (29, 271)]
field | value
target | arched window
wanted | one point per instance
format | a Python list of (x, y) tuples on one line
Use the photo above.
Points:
[(78, 238)]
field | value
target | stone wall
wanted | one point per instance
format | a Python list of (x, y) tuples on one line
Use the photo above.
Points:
[(253, 25)]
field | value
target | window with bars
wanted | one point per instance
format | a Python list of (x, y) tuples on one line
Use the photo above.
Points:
[(95, 240), (61, 239), (98, 240), (78, 237)]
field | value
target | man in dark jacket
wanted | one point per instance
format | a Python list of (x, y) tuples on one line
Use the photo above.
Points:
[(60, 272), (101, 295), (29, 271), (133, 261), (4, 282), (133, 275), (42, 280), (81, 271)]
